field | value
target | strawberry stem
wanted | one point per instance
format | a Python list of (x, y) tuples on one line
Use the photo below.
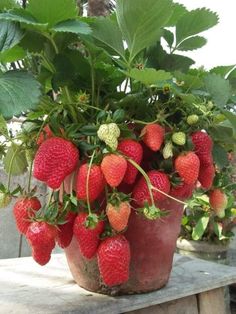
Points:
[(30, 176), (87, 182)]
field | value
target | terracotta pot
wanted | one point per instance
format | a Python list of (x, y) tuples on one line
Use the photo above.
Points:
[(200, 249), (152, 248)]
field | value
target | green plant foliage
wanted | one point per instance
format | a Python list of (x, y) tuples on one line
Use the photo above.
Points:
[(52, 12), (7, 4), (223, 70), (72, 26), (3, 127), (178, 10), (13, 54), (141, 23), (194, 22), (192, 43), (200, 227), (150, 76), (22, 16), (106, 30), (19, 92), (10, 35), (232, 118), (15, 161), (220, 156), (168, 36), (218, 88)]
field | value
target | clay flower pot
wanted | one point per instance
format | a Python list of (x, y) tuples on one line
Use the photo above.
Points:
[(152, 242)]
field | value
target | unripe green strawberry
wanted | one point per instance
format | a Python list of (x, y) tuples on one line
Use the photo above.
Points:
[(192, 119), (112, 142), (168, 150), (179, 138), (114, 129), (5, 199), (103, 132), (218, 202)]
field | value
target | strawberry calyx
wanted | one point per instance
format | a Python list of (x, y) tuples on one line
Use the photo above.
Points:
[(152, 212)]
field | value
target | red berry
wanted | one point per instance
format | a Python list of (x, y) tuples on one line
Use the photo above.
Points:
[(134, 151), (96, 182), (114, 168), (55, 159), (158, 180), (65, 231), (114, 260), (218, 200), (182, 191), (187, 165), (24, 209), (41, 237), (206, 176), (203, 147), (88, 238), (118, 215), (153, 136)]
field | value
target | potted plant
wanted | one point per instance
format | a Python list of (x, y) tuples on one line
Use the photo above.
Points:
[(209, 219), (119, 129)]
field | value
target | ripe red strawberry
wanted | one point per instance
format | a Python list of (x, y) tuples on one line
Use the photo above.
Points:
[(187, 165), (44, 135), (118, 215), (153, 136), (182, 191), (203, 147), (114, 260), (218, 202), (23, 210), (134, 151), (114, 168), (55, 159), (41, 237), (88, 238), (159, 180), (206, 176), (65, 231), (96, 182)]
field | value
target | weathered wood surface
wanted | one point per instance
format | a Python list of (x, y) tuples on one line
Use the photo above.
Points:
[(26, 287), (212, 302)]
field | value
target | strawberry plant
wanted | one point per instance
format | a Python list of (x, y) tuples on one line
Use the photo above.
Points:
[(115, 121)]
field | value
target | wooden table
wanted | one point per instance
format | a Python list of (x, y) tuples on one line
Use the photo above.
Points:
[(195, 287)]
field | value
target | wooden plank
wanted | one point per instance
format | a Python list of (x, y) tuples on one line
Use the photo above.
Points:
[(181, 306), (28, 287), (212, 302)]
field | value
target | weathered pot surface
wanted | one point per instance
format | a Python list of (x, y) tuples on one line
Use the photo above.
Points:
[(204, 250), (152, 244)]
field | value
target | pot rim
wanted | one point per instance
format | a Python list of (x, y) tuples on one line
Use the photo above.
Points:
[(201, 246)]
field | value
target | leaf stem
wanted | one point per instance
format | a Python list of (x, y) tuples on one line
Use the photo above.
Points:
[(10, 167), (87, 182), (30, 176)]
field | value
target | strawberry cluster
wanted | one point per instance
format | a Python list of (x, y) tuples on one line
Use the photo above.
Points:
[(120, 176)]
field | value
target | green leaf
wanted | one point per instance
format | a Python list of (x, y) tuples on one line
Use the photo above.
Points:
[(220, 156), (169, 37), (3, 127), (218, 229), (72, 26), (222, 70), (231, 117), (7, 4), (192, 43), (178, 11), (13, 54), (21, 16), (107, 31), (10, 35), (194, 22), (52, 11), (141, 23), (223, 134), (149, 76), (218, 88), (19, 92), (200, 228), (15, 161)]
